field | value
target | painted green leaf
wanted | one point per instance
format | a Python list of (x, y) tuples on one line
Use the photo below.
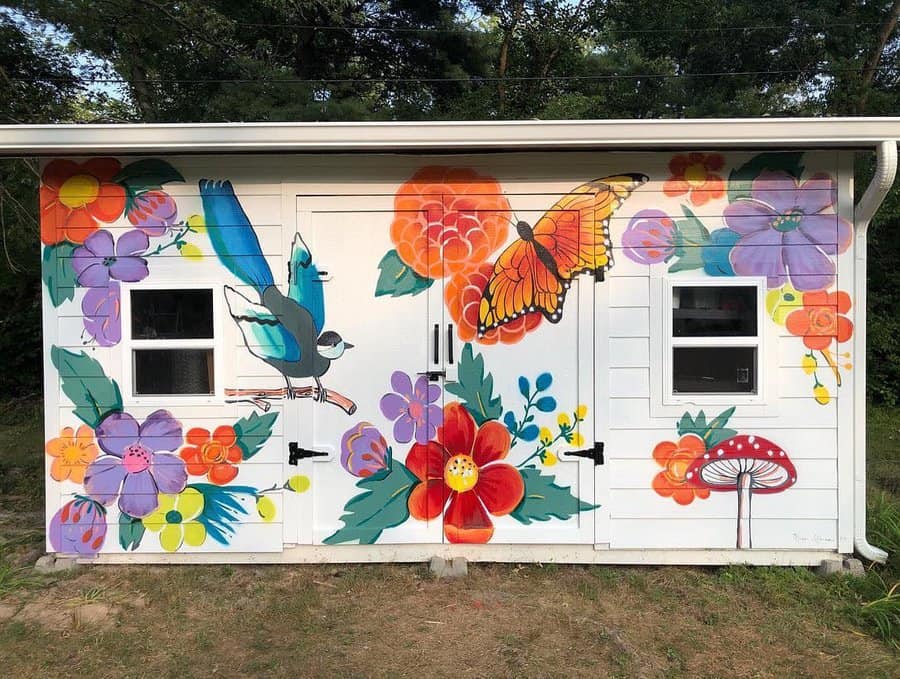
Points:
[(690, 236), (397, 279), (131, 532), (381, 505), (475, 387), (223, 508), (253, 432), (59, 276), (740, 181), (544, 499), (86, 385), (145, 175), (713, 432)]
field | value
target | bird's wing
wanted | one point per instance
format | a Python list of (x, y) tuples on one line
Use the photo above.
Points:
[(304, 284), (264, 335), (232, 236)]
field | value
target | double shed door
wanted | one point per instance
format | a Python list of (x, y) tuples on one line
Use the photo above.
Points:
[(398, 341)]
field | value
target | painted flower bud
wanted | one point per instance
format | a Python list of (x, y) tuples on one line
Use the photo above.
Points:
[(79, 527), (363, 450), (649, 237), (265, 508), (153, 212)]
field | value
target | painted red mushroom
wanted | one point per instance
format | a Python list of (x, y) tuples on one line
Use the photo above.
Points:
[(750, 465)]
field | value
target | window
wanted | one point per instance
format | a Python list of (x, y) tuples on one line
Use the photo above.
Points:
[(172, 342)]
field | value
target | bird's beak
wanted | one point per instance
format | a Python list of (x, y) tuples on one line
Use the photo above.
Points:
[(347, 345)]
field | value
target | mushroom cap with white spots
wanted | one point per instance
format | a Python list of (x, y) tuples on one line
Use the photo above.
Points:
[(720, 467)]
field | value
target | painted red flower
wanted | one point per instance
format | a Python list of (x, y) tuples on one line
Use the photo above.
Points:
[(695, 173), (820, 321), (461, 475), (76, 197), (212, 455)]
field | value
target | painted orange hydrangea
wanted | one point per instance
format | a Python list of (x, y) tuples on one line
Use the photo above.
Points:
[(448, 220), (72, 452), (463, 297), (695, 174), (212, 455), (676, 458), (77, 197), (821, 319)]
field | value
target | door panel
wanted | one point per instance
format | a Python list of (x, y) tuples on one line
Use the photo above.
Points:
[(348, 237)]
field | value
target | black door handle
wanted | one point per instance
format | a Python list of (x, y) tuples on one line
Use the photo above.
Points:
[(450, 343), (437, 339), (433, 375), (296, 453)]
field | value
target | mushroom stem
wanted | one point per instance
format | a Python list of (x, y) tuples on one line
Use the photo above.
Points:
[(743, 521)]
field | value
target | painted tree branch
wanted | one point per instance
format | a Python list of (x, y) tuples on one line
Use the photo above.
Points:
[(261, 397)]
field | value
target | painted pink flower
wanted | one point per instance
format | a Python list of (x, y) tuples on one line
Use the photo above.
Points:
[(79, 527), (363, 450), (649, 237), (412, 408), (153, 212)]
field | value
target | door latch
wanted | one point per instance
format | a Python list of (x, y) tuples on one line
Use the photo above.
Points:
[(595, 453), (433, 375), (296, 453)]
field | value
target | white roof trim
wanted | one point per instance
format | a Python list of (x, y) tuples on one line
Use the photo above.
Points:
[(19, 140)]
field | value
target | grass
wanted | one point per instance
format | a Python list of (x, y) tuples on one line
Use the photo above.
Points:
[(395, 620)]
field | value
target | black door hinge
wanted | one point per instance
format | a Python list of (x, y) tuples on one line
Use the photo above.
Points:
[(296, 453), (595, 453), (599, 275)]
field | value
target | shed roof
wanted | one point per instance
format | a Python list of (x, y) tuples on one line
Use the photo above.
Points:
[(159, 138)]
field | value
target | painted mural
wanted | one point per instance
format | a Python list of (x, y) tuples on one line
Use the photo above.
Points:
[(469, 461), (154, 475), (770, 222)]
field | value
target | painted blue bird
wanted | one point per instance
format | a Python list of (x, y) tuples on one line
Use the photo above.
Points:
[(285, 331)]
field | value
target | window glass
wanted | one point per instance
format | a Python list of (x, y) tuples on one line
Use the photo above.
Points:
[(171, 314), (706, 311), (714, 370), (173, 371)]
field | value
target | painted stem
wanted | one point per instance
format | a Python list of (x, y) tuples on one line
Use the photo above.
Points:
[(261, 397), (744, 541)]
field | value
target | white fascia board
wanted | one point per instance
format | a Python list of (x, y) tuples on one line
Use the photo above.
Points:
[(26, 140)]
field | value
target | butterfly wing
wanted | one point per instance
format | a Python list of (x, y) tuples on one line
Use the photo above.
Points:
[(521, 283), (570, 238), (575, 231)]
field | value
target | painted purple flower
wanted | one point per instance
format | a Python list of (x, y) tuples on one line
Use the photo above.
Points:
[(649, 237), (134, 469), (79, 527), (102, 314), (785, 231), (363, 450), (410, 408), (153, 212), (97, 261)]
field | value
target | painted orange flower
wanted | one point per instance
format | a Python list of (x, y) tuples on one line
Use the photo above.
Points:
[(448, 220), (72, 452), (462, 470), (463, 297), (676, 458), (820, 321), (76, 197), (212, 455), (695, 173)]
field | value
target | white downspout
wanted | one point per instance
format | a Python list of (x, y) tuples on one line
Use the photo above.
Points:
[(885, 172)]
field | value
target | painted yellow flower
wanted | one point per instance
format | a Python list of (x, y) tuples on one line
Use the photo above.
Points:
[(581, 411), (821, 394), (577, 439), (546, 436), (176, 520), (780, 302), (72, 452), (549, 458), (563, 420)]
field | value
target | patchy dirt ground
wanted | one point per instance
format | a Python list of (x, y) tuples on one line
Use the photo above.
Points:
[(398, 621)]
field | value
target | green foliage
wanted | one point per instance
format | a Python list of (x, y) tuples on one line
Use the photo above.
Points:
[(712, 432), (475, 387), (397, 279), (253, 432), (131, 532), (86, 385), (381, 505), (544, 499)]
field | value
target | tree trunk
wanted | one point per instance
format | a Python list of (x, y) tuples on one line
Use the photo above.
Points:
[(868, 72), (503, 60)]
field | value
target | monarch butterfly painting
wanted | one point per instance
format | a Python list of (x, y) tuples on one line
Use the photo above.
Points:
[(534, 272)]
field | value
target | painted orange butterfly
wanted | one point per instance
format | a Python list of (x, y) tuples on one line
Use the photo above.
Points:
[(572, 237)]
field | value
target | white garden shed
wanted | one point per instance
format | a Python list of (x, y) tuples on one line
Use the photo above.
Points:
[(588, 342)]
